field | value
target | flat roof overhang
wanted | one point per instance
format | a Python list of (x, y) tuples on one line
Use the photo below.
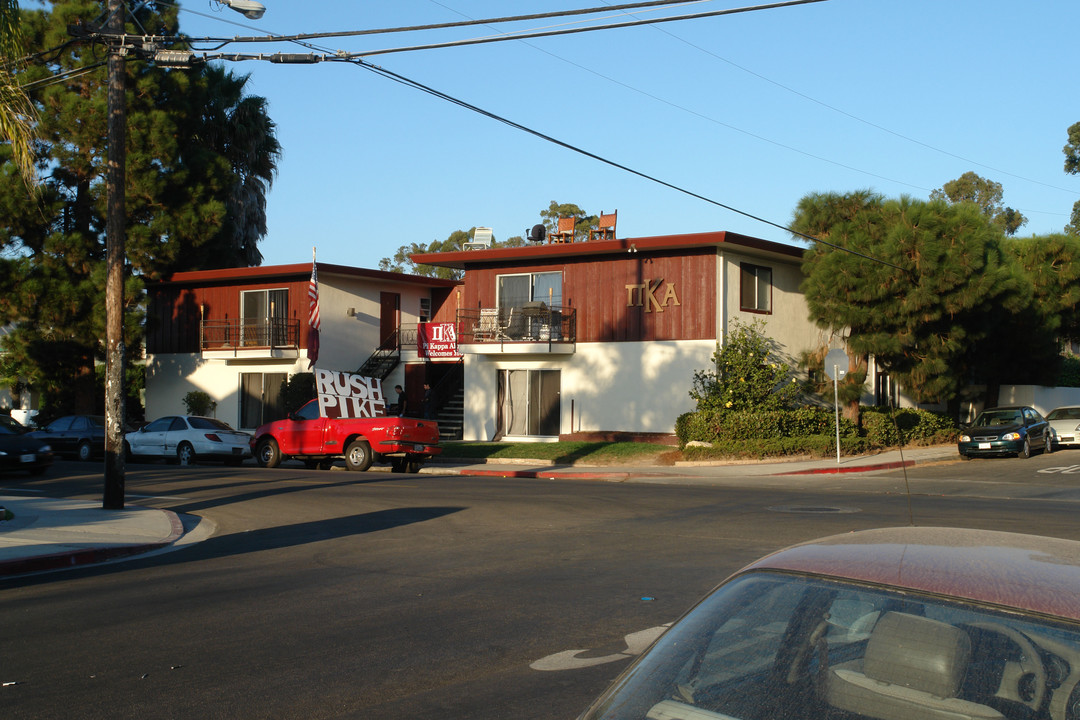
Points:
[(460, 259)]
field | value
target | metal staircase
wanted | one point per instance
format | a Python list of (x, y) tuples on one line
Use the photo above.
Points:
[(383, 361), (451, 416), (450, 403)]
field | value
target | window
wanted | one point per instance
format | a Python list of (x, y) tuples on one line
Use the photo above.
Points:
[(516, 290), (260, 398), (264, 315), (755, 288), (529, 402)]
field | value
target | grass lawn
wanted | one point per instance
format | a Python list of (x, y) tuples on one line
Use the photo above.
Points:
[(592, 453)]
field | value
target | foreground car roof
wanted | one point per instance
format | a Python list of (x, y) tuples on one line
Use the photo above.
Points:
[(1026, 572)]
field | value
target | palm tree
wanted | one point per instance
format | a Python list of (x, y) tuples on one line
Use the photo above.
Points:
[(17, 116)]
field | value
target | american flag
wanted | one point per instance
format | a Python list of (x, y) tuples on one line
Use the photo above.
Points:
[(313, 314), (313, 297)]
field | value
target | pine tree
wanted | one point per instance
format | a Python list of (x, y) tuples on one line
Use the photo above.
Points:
[(921, 286), (200, 157)]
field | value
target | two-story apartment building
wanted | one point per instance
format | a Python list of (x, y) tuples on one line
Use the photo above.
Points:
[(583, 339), (239, 333)]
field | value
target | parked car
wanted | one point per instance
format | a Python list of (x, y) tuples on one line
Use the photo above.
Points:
[(19, 451), (891, 624), (1065, 424), (184, 438), (79, 436), (1014, 430), (14, 425)]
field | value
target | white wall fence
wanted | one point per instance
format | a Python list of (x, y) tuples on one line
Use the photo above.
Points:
[(1042, 398)]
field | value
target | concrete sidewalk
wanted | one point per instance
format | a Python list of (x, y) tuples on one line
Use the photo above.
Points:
[(51, 534)]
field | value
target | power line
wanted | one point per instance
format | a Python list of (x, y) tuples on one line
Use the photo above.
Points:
[(856, 118), (581, 151), (459, 24)]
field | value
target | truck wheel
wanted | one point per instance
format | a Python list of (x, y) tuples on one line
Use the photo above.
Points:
[(397, 465), (413, 466), (267, 453), (358, 455)]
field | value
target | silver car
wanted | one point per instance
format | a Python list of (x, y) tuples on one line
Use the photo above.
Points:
[(1065, 424), (184, 438)]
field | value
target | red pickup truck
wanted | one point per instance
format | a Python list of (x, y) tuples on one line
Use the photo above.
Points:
[(403, 442)]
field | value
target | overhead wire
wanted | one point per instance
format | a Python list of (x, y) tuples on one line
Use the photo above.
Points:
[(581, 151), (854, 117), (449, 25)]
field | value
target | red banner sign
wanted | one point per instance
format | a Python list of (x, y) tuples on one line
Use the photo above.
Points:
[(437, 340)]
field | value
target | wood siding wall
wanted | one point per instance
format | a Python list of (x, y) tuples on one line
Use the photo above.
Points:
[(173, 312), (610, 295)]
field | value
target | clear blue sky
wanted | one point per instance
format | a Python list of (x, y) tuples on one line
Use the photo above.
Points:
[(752, 110)]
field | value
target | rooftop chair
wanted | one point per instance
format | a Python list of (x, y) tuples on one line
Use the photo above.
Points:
[(605, 230), (565, 231), (481, 239)]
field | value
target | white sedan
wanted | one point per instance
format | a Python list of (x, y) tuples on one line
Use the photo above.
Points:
[(187, 437), (1065, 423)]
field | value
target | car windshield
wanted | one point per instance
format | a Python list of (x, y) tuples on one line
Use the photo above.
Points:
[(770, 646), (990, 418), (1066, 413)]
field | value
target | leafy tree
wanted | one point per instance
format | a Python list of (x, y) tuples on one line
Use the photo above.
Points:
[(1072, 167), (918, 285), (200, 155), (582, 225), (749, 374), (987, 195), (401, 262)]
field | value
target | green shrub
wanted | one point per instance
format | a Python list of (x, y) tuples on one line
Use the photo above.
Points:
[(906, 426), (808, 430), (199, 402), (296, 391), (747, 373), (1069, 375)]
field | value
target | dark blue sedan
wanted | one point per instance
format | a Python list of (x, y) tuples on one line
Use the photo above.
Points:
[(1014, 430)]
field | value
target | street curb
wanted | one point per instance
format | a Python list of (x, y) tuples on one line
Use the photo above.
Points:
[(550, 474), (852, 469), (90, 556)]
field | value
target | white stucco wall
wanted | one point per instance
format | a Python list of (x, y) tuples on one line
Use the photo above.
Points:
[(170, 377), (626, 387)]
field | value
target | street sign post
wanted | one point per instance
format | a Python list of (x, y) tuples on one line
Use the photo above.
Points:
[(836, 365)]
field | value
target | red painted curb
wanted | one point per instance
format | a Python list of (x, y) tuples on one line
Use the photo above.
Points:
[(90, 556)]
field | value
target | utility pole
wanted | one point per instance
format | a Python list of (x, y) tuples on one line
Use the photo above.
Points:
[(114, 255)]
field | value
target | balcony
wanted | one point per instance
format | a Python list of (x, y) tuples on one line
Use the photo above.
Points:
[(530, 328), (272, 338)]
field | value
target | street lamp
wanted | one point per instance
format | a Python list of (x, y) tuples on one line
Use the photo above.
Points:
[(249, 8)]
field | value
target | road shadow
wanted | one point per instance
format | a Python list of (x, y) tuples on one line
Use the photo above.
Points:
[(241, 543)]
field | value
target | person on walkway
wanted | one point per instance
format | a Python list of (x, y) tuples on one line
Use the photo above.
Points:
[(429, 403), (399, 408)]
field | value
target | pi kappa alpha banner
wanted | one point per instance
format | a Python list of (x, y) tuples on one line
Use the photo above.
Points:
[(437, 340)]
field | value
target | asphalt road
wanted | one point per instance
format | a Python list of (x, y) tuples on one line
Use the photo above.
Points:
[(373, 595)]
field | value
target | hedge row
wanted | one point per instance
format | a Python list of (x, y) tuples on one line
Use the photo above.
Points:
[(809, 430)]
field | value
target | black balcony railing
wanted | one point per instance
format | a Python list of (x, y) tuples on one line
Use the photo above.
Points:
[(532, 322), (253, 334)]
